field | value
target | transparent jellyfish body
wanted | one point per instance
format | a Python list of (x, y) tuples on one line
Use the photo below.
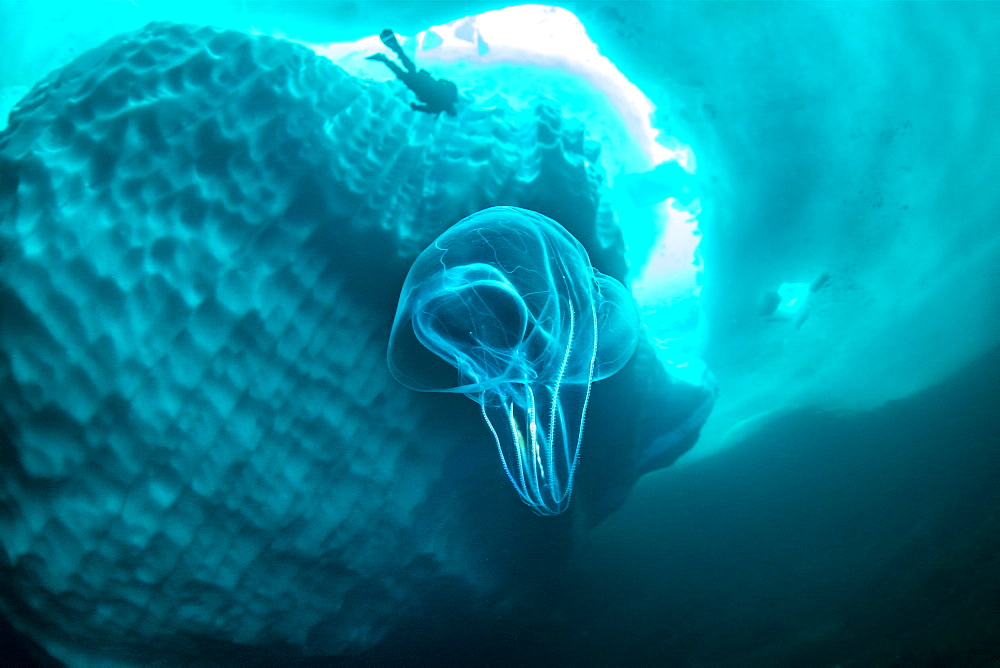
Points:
[(506, 308)]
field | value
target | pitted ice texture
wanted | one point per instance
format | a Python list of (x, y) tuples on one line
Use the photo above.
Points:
[(202, 237)]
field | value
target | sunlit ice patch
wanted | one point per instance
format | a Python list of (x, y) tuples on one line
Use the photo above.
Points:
[(528, 52)]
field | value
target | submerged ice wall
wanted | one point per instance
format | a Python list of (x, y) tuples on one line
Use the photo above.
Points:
[(859, 143), (202, 238)]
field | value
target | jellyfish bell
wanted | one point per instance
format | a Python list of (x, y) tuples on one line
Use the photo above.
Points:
[(506, 308)]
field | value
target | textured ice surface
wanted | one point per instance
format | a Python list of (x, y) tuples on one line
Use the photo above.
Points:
[(203, 236)]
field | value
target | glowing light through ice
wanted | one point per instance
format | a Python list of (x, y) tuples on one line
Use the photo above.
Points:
[(531, 51)]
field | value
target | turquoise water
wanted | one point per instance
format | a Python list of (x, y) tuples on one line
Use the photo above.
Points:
[(204, 456)]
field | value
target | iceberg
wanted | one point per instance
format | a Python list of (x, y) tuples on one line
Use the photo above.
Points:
[(204, 234)]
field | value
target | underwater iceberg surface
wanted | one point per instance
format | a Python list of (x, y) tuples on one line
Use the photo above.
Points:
[(204, 231), (204, 237)]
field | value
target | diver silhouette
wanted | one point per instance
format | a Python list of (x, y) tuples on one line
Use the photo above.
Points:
[(437, 95)]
